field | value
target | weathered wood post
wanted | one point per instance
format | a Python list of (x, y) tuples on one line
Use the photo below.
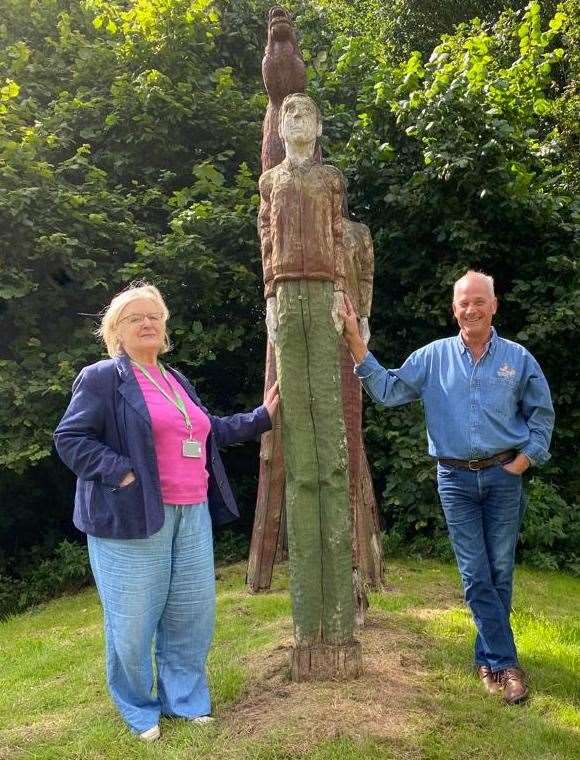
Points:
[(284, 73), (305, 278)]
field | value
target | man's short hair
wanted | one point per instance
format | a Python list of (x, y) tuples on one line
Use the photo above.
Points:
[(487, 278), (295, 96)]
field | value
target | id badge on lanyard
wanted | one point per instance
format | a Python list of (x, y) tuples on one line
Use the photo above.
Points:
[(191, 448)]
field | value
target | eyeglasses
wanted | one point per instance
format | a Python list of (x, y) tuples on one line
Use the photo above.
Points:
[(138, 319)]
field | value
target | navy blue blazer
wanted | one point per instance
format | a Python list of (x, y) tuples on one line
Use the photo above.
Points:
[(106, 431)]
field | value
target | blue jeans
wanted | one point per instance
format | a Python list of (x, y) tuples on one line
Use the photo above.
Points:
[(483, 510), (159, 588)]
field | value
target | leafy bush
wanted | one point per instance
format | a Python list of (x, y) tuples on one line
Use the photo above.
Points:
[(129, 147), (468, 160), (551, 528), (67, 571), (230, 546)]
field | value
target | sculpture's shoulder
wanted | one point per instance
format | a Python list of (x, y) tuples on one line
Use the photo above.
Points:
[(266, 180), (358, 236), (334, 176), (359, 230)]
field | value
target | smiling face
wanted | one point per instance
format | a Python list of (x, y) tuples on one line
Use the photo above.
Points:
[(473, 308), (141, 328), (299, 121)]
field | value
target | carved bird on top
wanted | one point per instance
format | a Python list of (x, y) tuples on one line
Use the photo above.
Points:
[(284, 72)]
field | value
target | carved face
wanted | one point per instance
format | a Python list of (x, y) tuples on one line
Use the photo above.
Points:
[(299, 122)]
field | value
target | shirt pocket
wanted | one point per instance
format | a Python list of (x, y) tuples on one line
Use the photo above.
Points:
[(501, 396)]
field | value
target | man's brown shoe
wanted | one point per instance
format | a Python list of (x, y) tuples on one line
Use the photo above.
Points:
[(488, 679), (513, 684)]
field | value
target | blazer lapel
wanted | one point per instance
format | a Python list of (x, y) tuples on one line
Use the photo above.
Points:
[(129, 387)]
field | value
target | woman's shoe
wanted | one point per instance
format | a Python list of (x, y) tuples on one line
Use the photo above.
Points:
[(151, 735)]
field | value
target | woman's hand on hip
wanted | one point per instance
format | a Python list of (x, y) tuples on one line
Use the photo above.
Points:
[(271, 400), (128, 479)]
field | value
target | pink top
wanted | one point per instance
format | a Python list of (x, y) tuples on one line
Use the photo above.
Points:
[(183, 479)]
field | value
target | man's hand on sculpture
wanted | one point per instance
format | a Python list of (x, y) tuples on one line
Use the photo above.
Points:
[(337, 311), (271, 401), (351, 333), (365, 330), (350, 322), (271, 319)]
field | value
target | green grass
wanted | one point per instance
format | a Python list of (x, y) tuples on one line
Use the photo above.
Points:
[(54, 704)]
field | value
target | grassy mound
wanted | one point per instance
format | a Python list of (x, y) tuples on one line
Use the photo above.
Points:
[(418, 697)]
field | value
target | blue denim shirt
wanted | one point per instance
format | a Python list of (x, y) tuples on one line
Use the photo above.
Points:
[(472, 409)]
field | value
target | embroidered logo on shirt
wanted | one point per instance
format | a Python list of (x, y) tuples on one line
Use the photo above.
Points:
[(506, 372)]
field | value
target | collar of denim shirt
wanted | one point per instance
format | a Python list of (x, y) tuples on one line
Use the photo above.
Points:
[(489, 346)]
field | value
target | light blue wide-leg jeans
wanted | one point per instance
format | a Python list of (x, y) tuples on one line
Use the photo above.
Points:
[(159, 588)]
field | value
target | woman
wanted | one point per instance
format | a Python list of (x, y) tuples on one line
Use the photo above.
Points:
[(150, 481)]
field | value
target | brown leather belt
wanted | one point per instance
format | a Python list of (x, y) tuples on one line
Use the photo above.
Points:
[(481, 464)]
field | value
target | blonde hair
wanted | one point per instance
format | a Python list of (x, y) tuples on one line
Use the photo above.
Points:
[(107, 330), (471, 273)]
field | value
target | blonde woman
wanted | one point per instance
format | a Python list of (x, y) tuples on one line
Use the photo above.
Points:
[(150, 482)]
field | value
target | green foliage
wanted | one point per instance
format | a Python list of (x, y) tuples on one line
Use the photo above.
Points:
[(65, 572), (467, 160), (551, 528), (129, 148), (230, 547)]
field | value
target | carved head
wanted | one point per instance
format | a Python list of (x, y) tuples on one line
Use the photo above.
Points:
[(279, 26), (300, 120)]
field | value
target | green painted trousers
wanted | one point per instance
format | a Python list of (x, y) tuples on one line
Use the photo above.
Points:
[(315, 460)]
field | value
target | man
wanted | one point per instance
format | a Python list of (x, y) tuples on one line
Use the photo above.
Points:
[(301, 231), (489, 417)]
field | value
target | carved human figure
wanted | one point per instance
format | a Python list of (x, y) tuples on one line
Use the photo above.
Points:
[(301, 230), (283, 71), (359, 270)]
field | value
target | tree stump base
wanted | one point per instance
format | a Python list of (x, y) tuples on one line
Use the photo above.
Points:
[(325, 662)]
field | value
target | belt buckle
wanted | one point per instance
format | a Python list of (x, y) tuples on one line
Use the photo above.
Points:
[(473, 469)]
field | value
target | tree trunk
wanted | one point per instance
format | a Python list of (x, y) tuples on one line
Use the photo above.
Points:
[(324, 662)]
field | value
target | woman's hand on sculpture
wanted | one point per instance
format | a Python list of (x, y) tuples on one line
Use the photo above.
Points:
[(337, 310), (271, 400), (365, 330), (271, 319)]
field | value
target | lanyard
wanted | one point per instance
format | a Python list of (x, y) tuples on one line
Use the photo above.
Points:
[(177, 401)]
